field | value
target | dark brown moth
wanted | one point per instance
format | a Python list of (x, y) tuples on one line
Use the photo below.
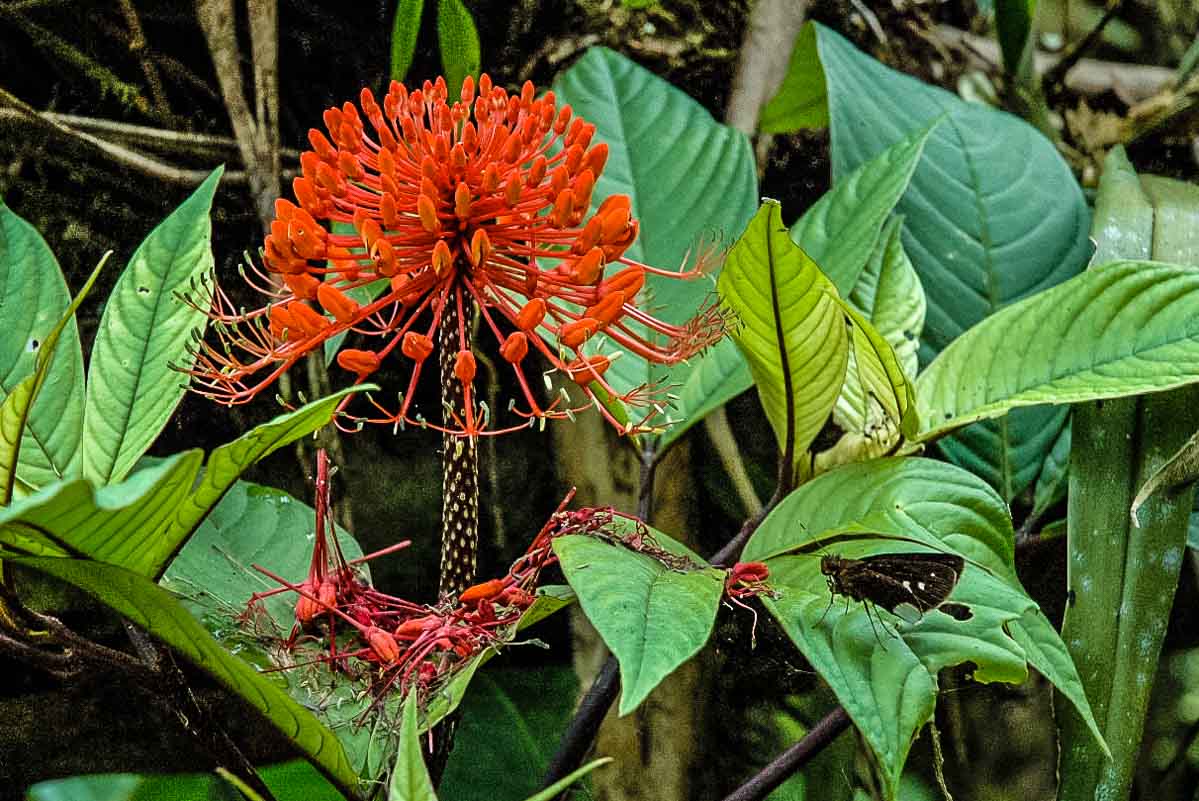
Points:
[(889, 580)]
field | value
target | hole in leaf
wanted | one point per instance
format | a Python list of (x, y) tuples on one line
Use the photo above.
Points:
[(956, 611)]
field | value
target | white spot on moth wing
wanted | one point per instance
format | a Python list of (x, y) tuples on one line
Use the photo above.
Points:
[(919, 585)]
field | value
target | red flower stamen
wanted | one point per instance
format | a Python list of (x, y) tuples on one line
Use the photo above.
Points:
[(481, 199)]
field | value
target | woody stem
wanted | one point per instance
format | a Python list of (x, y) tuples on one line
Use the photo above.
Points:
[(459, 459)]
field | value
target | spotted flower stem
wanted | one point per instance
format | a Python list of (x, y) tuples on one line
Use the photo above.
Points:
[(459, 456)]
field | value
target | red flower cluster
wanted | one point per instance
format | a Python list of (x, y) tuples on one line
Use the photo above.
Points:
[(484, 200), (392, 643)]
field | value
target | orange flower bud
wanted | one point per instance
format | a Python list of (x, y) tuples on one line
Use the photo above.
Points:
[(383, 255), (512, 191), (589, 237), (428, 214), (462, 201), (416, 346), (531, 315), (536, 172), (584, 371), (587, 270), (302, 285), (330, 180), (572, 335), (349, 166), (464, 366), (482, 592), (596, 158), (307, 319), (515, 347), (442, 259), (362, 362), (584, 186), (564, 207), (480, 247), (388, 211), (383, 644), (333, 300), (608, 309), (629, 280)]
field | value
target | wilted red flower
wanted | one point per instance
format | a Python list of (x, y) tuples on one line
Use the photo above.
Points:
[(481, 200)]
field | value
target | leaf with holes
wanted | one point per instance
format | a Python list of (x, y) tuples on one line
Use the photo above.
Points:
[(145, 328), (33, 297)]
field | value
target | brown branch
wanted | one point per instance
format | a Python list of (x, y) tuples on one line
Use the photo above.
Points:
[(765, 54), (217, 20), (18, 112), (1131, 82), (794, 758)]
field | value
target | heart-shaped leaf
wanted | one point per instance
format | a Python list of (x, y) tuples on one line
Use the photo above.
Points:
[(653, 617)]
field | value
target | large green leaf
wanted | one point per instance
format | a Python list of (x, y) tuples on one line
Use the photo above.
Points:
[(140, 523), (33, 297), (993, 214), (1123, 328), (146, 327), (887, 683), (15, 409), (796, 333), (531, 706), (698, 181), (790, 327), (841, 229), (117, 523), (296, 779), (652, 617), (889, 294), (152, 608)]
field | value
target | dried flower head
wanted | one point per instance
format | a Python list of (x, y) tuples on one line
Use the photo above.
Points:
[(483, 202)]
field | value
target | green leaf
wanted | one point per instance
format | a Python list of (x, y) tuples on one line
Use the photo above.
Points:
[(132, 389), (229, 461), (295, 779), (1013, 26), (888, 684), (251, 524), (459, 43), (33, 297), (993, 214), (889, 294), (802, 100), (842, 228), (145, 604), (140, 523), (14, 411), (558, 787), (404, 28), (791, 328), (653, 618), (410, 778), (117, 523), (1054, 479), (531, 706), (1123, 328), (699, 181)]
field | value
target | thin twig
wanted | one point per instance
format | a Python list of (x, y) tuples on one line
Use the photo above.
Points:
[(794, 758), (721, 435), (157, 138), (137, 46), (122, 155), (1072, 54)]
